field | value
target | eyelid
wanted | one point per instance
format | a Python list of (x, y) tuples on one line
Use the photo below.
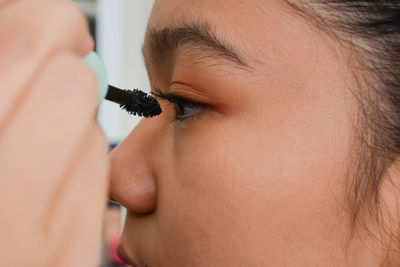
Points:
[(189, 92), (174, 97)]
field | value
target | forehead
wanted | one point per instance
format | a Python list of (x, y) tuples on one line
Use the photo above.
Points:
[(206, 8), (256, 25), (223, 12)]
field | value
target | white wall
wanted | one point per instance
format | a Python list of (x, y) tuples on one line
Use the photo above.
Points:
[(121, 26)]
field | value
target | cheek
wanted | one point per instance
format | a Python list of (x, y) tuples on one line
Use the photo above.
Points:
[(257, 186)]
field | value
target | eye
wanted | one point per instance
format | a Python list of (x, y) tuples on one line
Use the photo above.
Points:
[(184, 108)]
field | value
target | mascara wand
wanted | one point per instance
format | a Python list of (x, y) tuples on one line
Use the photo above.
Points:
[(135, 102)]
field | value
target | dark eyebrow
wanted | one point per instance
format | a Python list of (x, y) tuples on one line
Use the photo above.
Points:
[(163, 43)]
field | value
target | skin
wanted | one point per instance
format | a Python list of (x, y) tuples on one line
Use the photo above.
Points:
[(53, 158), (258, 178)]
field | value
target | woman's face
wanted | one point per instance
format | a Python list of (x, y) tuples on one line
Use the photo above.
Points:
[(254, 175)]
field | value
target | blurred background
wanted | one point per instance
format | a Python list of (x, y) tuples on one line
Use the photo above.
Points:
[(118, 26)]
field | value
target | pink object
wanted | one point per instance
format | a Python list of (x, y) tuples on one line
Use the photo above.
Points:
[(115, 258)]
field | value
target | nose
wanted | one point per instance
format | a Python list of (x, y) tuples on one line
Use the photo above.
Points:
[(133, 182)]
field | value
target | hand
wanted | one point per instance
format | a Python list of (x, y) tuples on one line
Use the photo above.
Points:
[(53, 164)]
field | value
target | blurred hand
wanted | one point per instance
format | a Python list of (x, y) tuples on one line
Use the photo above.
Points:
[(53, 164)]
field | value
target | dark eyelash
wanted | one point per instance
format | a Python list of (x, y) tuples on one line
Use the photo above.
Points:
[(156, 92), (174, 99)]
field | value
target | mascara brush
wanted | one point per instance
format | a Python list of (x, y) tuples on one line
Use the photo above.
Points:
[(135, 102)]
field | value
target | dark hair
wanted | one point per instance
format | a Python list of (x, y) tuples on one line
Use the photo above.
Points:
[(371, 30)]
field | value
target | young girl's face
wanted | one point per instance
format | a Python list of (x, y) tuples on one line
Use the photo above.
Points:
[(247, 166)]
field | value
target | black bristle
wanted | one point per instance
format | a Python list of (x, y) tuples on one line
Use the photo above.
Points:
[(142, 104)]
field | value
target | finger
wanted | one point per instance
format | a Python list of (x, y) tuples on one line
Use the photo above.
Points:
[(46, 131), (59, 24), (77, 209), (31, 32), (3, 3), (70, 228)]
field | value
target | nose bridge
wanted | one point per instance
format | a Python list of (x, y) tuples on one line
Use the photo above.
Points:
[(133, 183)]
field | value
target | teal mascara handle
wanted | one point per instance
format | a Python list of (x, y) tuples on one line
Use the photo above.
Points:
[(94, 61)]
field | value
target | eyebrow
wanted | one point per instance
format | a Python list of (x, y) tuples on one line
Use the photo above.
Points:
[(164, 43)]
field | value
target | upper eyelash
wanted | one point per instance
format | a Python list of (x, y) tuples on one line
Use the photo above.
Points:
[(174, 99), (156, 92)]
